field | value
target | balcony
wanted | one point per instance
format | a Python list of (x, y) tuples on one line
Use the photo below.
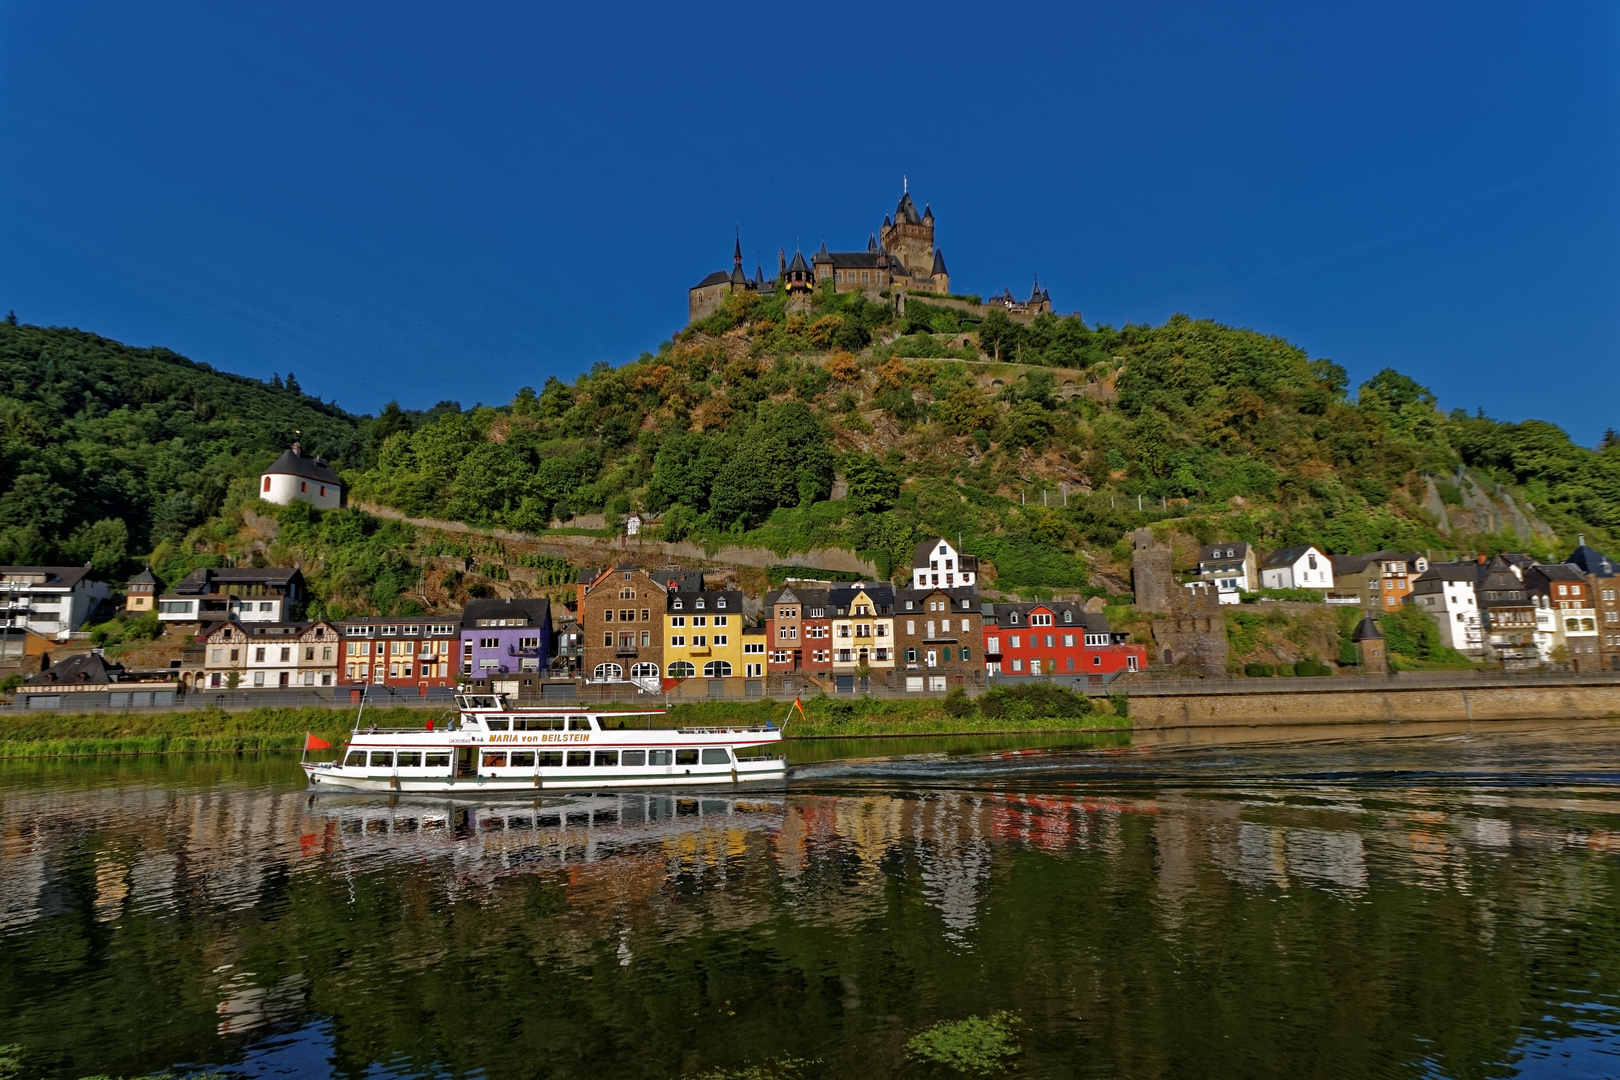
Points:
[(625, 651), (513, 650)]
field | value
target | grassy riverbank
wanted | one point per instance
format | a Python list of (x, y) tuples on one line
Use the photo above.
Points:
[(212, 731)]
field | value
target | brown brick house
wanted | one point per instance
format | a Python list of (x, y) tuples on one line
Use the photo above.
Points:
[(939, 639), (621, 615)]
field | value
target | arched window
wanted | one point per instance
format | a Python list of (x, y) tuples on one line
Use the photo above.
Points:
[(682, 669), (717, 669), (644, 671), (609, 673)]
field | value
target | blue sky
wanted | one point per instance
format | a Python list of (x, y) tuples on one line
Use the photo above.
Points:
[(430, 201)]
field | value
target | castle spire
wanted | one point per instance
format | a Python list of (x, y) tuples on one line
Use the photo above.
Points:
[(736, 253)]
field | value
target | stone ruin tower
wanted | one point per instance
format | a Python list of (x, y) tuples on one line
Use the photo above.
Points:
[(1191, 635)]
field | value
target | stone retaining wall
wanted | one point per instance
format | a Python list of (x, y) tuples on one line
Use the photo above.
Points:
[(1376, 706)]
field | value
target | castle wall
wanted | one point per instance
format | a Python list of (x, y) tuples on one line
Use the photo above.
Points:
[(701, 303)]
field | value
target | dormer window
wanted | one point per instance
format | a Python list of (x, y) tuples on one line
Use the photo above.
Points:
[(1013, 618), (720, 602), (676, 605), (1068, 616), (699, 604)]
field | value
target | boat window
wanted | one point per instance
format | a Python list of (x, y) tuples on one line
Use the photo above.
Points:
[(547, 821), (633, 757), (556, 723), (412, 760), (494, 759), (579, 757), (522, 759), (495, 725), (658, 757), (438, 761), (356, 759), (579, 723), (550, 759), (686, 757), (716, 755), (385, 758), (607, 757)]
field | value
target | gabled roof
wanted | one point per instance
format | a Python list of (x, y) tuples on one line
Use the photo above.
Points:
[(1094, 621), (45, 577), (1453, 571), (1290, 555), (803, 595), (853, 260), (1237, 549), (145, 577), (957, 593), (534, 612), (880, 593), (719, 277), (710, 599), (295, 463), (1554, 572), (80, 668)]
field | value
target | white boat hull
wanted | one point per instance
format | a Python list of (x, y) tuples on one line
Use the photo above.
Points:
[(337, 778)]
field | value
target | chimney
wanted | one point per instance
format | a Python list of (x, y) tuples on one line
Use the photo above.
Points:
[(298, 451), (1480, 559)]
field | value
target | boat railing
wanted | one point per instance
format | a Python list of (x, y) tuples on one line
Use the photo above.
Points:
[(722, 730), (417, 730)]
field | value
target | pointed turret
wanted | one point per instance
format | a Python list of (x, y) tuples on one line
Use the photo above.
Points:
[(928, 214), (939, 263), (823, 255), (871, 242)]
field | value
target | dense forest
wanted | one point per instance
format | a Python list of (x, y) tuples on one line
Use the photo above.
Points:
[(1038, 444)]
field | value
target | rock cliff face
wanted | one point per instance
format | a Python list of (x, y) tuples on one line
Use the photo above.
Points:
[(1191, 634), (1475, 505)]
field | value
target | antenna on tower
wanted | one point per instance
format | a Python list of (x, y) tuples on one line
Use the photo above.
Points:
[(903, 184)]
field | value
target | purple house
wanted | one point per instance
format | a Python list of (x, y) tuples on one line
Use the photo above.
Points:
[(502, 637)]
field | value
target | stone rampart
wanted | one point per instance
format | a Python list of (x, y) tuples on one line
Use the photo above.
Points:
[(1473, 703)]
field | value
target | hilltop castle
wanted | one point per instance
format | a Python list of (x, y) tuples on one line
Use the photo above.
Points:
[(901, 256)]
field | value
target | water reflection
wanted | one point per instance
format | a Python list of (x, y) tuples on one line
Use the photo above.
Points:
[(1416, 907)]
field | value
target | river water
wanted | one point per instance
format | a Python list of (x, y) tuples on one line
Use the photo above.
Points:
[(1440, 905)]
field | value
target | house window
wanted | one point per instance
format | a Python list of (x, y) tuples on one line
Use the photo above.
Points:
[(682, 669), (717, 669), (267, 483)]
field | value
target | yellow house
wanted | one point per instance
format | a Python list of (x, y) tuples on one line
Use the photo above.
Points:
[(142, 591), (703, 635), (862, 628)]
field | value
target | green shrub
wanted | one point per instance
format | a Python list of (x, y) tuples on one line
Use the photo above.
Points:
[(957, 703), (1311, 667), (978, 1045), (1257, 671)]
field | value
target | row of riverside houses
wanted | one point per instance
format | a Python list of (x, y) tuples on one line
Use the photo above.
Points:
[(1512, 609), (659, 629)]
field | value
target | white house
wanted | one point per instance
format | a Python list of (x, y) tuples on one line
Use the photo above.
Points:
[(244, 593), (49, 600), (1446, 593), (936, 562), (296, 475), (1230, 569), (1306, 567)]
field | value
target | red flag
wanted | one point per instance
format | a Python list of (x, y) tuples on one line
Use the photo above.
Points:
[(313, 743), (797, 704)]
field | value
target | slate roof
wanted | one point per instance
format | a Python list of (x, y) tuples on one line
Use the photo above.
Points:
[(906, 211), (1235, 550), (880, 593), (535, 612), (294, 463), (719, 277), (56, 577), (1591, 561), (1367, 630), (939, 262), (964, 599), (79, 668), (220, 578), (710, 598), (145, 577), (798, 265), (1287, 556), (1092, 621)]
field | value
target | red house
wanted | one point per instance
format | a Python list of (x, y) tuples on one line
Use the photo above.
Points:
[(416, 651), (798, 628), (1057, 640)]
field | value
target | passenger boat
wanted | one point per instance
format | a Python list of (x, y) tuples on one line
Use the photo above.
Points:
[(491, 747)]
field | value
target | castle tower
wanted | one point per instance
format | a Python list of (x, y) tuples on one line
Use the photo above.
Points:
[(910, 237), (1370, 647)]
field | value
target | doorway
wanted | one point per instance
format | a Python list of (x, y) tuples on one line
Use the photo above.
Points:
[(465, 760)]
